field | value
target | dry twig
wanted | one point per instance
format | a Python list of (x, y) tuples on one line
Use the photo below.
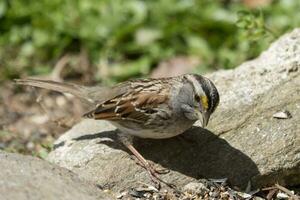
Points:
[(58, 68)]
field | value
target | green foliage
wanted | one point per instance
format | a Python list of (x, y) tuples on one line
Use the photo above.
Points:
[(131, 37), (254, 25)]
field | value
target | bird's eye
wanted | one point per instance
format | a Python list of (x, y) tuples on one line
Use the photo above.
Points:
[(197, 98)]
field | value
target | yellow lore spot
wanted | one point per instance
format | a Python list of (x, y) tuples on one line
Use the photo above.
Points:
[(204, 102)]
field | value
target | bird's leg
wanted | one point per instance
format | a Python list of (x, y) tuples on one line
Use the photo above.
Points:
[(127, 141), (144, 163)]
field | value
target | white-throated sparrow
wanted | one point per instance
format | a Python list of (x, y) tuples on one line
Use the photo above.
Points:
[(146, 108)]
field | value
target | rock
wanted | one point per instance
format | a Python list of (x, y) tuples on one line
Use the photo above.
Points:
[(243, 141), (25, 177), (245, 120)]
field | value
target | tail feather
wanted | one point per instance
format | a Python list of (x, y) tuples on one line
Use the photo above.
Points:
[(76, 90)]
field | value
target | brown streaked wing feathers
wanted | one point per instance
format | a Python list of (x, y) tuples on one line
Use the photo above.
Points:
[(133, 107)]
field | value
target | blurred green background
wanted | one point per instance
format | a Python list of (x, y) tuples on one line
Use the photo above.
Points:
[(112, 40)]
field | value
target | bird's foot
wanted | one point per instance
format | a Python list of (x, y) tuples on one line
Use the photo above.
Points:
[(154, 175)]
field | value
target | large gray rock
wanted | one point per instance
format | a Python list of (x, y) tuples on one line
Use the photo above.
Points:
[(244, 142), (25, 177)]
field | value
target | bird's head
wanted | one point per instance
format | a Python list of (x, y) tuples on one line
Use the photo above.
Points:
[(201, 100)]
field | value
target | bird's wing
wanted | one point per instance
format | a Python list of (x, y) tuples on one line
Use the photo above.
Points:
[(137, 103)]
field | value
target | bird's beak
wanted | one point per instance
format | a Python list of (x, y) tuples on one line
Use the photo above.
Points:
[(204, 117)]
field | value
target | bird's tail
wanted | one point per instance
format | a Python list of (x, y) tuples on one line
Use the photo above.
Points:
[(81, 92)]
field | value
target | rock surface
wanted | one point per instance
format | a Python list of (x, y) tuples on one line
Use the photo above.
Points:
[(243, 142), (25, 177)]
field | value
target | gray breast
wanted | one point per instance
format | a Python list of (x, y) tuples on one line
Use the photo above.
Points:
[(154, 131)]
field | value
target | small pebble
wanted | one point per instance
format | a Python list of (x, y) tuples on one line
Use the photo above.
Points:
[(39, 119), (282, 115), (244, 195), (258, 198), (61, 101), (281, 195), (30, 145)]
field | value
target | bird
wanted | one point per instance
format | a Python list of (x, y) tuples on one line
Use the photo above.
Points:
[(154, 108)]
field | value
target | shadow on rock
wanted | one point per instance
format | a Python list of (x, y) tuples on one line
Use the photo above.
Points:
[(198, 153)]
